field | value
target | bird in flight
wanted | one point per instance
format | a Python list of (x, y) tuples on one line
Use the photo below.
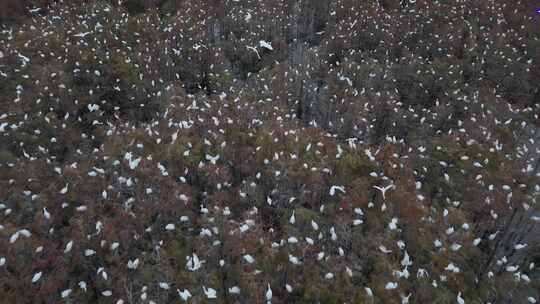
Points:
[(383, 190), (255, 50), (266, 45), (82, 35)]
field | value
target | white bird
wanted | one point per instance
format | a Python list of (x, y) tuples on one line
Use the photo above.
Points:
[(393, 224), (334, 188), (170, 227), (520, 246), (512, 268), (24, 59), (46, 213), (134, 163), (460, 299), (294, 260), (383, 190), (36, 277), (133, 264), (292, 219), (314, 225), (405, 299), (210, 292), (248, 258), (184, 295), (164, 285), (193, 263), (234, 290), (64, 190), (212, 159), (14, 237), (455, 246), (421, 273), (255, 50), (269, 294), (196, 47), (333, 235), (24, 232), (82, 35), (65, 293), (266, 45), (453, 268), (391, 285), (384, 250), (289, 288), (82, 285), (406, 260), (69, 245)]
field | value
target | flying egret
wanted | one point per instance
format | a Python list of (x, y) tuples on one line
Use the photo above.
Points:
[(212, 159), (266, 45), (255, 50), (82, 35), (383, 190)]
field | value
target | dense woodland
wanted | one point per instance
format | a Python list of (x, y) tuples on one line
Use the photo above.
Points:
[(270, 151)]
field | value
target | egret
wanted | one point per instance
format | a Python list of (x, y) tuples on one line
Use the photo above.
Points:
[(82, 35), (269, 294), (36, 277), (383, 190), (391, 285), (255, 50), (248, 258), (65, 293), (266, 45), (184, 295), (210, 292), (334, 188), (212, 159), (460, 299), (193, 263)]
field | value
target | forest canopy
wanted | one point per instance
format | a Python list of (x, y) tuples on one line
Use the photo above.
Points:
[(269, 151)]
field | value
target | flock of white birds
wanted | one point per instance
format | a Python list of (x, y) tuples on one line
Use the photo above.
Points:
[(258, 156)]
